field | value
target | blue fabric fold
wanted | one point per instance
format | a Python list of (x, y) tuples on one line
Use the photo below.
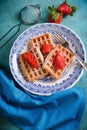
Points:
[(60, 111)]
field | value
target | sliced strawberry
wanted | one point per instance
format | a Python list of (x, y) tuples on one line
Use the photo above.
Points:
[(46, 48), (30, 58), (59, 60)]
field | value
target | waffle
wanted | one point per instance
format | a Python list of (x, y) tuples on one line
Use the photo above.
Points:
[(39, 40), (32, 74), (48, 64)]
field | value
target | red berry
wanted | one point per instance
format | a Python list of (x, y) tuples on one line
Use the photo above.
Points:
[(59, 60), (59, 20), (66, 9), (46, 48), (31, 59), (54, 16)]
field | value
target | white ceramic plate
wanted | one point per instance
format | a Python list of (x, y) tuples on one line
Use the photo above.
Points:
[(48, 85)]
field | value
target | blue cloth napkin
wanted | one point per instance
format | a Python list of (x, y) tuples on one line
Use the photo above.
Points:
[(60, 111)]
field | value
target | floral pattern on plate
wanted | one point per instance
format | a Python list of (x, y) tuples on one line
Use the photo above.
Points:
[(47, 85)]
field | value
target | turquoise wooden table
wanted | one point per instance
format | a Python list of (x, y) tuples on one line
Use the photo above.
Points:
[(9, 11)]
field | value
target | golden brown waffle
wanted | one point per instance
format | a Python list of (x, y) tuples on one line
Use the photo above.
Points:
[(48, 64), (39, 40), (30, 73)]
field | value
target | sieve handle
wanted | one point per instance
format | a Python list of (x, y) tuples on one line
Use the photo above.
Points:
[(19, 26)]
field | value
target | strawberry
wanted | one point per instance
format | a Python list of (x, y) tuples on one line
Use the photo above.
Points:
[(66, 9), (59, 60), (30, 58), (54, 16), (46, 48)]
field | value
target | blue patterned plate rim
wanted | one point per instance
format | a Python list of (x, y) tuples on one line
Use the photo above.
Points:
[(48, 85)]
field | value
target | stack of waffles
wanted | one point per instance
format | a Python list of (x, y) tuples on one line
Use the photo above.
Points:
[(46, 66)]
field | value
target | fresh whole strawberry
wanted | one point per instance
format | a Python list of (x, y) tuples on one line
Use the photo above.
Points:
[(46, 48), (30, 59), (59, 60), (66, 9), (54, 16)]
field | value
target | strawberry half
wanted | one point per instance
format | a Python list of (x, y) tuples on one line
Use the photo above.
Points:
[(54, 16), (66, 9), (59, 60), (46, 48), (31, 59)]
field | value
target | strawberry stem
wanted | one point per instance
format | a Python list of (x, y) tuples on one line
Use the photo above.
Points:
[(74, 8), (53, 12), (51, 8)]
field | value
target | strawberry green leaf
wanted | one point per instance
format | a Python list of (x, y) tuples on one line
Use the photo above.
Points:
[(74, 8), (51, 8), (54, 15)]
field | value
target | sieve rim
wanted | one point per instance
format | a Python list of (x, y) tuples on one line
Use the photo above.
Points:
[(27, 7)]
